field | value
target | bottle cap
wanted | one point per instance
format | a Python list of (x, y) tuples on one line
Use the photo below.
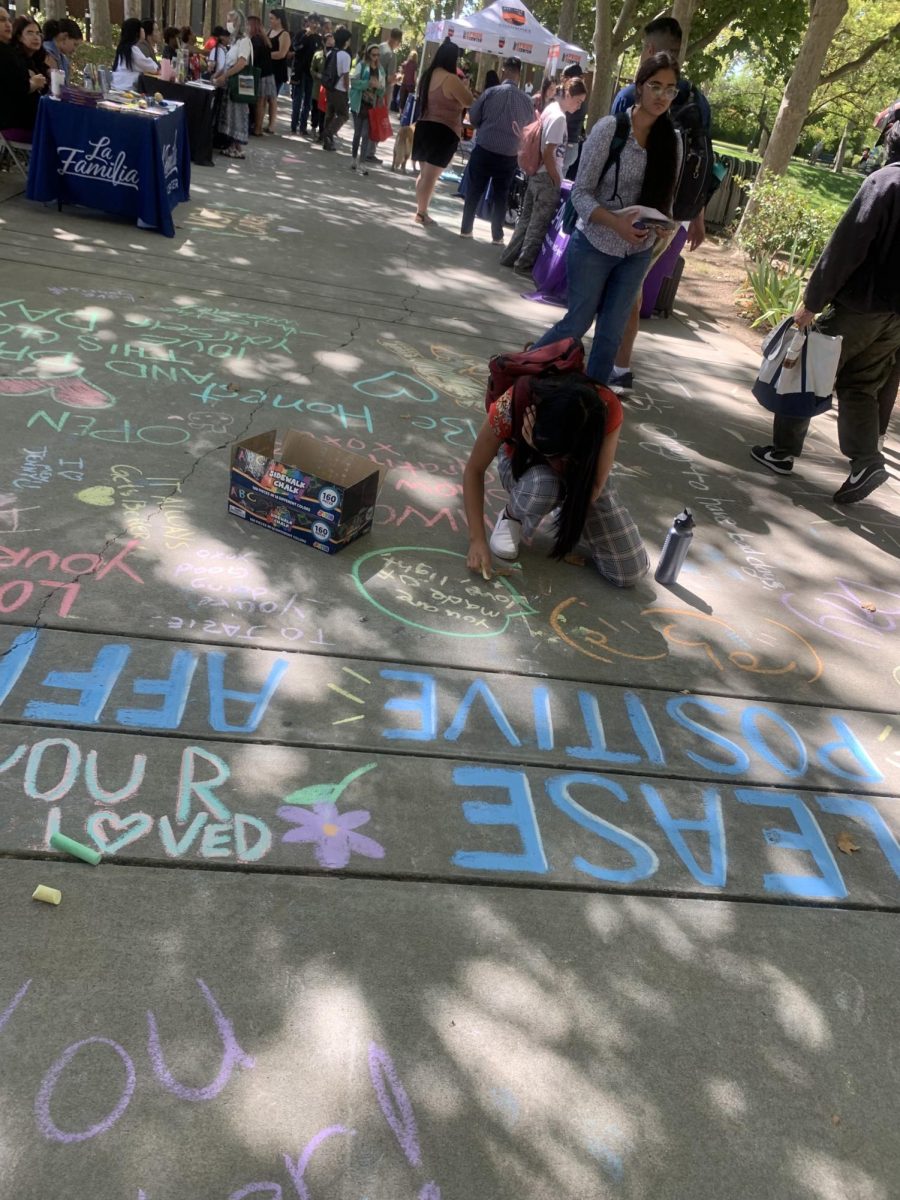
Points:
[(684, 520)]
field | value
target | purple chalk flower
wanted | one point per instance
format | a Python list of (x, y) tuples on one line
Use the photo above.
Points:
[(333, 833)]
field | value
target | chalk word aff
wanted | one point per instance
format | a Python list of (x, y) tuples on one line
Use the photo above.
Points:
[(390, 1094)]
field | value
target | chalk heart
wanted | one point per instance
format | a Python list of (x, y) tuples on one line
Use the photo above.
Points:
[(100, 497), (122, 830)]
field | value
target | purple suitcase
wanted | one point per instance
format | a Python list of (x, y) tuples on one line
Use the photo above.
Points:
[(660, 271)]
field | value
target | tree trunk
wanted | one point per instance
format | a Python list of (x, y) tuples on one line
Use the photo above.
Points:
[(823, 23), (567, 13), (207, 18), (101, 29), (683, 12), (182, 13), (605, 65), (842, 149), (223, 8), (53, 10), (133, 8)]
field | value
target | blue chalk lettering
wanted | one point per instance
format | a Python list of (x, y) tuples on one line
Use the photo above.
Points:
[(645, 862), (849, 806), (741, 761), (458, 724), (593, 724), (543, 717), (189, 786), (219, 694), (94, 685), (808, 839), (174, 689), (519, 812), (711, 824), (643, 729), (847, 740), (425, 704), (15, 660), (750, 719)]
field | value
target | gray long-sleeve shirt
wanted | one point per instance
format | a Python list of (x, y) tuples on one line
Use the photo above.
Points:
[(860, 266)]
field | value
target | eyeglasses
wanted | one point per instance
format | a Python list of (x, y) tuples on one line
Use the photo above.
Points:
[(669, 91)]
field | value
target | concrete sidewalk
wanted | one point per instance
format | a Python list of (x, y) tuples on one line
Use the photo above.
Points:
[(237, 722)]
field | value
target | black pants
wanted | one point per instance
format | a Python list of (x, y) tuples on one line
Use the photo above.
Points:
[(301, 101), (871, 342), (497, 169)]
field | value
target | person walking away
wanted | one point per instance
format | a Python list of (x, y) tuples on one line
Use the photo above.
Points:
[(280, 49), (542, 194), (555, 440), (367, 85), (499, 115), (857, 284), (262, 58), (336, 81), (442, 98), (608, 253), (234, 118), (663, 34), (408, 73), (303, 98)]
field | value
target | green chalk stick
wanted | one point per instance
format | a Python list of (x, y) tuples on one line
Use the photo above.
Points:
[(59, 841)]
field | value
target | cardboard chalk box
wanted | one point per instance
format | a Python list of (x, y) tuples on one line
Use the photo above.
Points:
[(312, 492)]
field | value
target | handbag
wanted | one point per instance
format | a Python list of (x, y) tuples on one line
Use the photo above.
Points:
[(379, 123), (322, 100), (244, 88), (804, 389)]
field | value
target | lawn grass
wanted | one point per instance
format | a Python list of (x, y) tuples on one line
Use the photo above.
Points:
[(825, 191)]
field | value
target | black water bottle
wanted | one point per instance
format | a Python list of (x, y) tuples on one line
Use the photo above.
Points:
[(675, 548)]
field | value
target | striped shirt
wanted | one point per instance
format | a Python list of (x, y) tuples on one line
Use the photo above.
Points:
[(616, 191), (494, 115)]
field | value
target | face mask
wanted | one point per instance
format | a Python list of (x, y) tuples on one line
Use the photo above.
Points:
[(229, 25)]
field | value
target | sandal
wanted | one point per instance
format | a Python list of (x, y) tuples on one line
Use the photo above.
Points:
[(424, 219)]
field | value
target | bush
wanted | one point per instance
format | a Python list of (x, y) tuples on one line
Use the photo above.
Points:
[(775, 289), (783, 220)]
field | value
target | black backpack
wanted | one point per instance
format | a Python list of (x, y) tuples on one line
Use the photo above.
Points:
[(696, 180), (620, 137), (330, 71)]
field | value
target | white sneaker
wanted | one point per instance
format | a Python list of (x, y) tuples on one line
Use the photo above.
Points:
[(506, 537)]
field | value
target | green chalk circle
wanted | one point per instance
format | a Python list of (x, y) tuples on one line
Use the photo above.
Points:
[(59, 841)]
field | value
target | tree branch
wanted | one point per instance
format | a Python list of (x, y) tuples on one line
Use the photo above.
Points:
[(625, 19), (708, 38), (870, 51)]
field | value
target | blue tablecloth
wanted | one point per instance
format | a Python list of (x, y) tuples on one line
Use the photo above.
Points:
[(131, 164)]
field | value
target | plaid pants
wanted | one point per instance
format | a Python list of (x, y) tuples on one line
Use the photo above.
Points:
[(540, 203), (610, 536)]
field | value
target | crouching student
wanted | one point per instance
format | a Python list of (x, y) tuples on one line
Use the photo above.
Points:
[(555, 443)]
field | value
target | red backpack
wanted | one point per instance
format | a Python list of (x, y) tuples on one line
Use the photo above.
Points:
[(557, 358), (529, 146)]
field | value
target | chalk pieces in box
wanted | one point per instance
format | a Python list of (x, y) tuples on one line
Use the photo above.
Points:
[(309, 491)]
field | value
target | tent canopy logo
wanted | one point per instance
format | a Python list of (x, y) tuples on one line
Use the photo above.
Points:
[(513, 16)]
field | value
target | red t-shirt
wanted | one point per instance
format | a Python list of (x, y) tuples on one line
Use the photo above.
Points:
[(500, 416)]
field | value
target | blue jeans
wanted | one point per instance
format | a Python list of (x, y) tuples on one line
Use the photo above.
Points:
[(602, 286), (487, 167)]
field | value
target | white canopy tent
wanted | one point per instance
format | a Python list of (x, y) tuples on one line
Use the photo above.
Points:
[(508, 29)]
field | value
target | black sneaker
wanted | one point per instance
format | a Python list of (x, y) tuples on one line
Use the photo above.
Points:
[(860, 484), (621, 380), (778, 461)]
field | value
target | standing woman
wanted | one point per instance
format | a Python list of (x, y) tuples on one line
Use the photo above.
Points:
[(442, 98), (547, 94), (130, 62), (608, 254), (555, 442), (367, 84), (280, 48), (262, 58), (234, 118), (408, 72)]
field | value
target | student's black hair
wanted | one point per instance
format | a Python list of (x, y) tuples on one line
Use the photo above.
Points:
[(148, 25), (569, 424), (491, 79), (72, 28), (892, 143), (342, 36), (447, 56), (50, 30), (128, 38), (662, 141)]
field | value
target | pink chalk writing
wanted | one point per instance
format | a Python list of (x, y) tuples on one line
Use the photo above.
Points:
[(232, 1056), (45, 1122)]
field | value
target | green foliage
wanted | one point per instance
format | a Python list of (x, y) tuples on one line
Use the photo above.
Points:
[(775, 289), (784, 217)]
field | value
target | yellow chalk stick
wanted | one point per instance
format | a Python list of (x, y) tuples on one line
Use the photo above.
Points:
[(485, 575), (47, 894)]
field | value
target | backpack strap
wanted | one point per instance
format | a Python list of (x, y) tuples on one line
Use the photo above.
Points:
[(620, 137)]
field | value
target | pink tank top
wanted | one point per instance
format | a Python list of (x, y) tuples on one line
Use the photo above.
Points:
[(445, 110)]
